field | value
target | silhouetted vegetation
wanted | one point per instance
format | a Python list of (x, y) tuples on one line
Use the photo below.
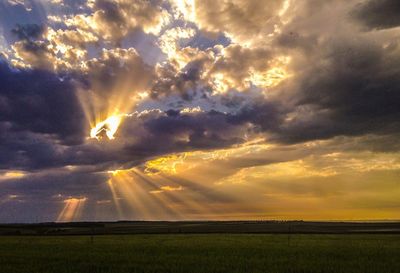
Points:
[(161, 227)]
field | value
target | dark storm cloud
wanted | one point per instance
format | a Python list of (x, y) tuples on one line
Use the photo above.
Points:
[(144, 136), (186, 83), (344, 82), (295, 40), (379, 14), (40, 117), (352, 88), (267, 116), (40, 102), (28, 31), (25, 150), (48, 185), (157, 133), (111, 11), (194, 131), (12, 15), (32, 147)]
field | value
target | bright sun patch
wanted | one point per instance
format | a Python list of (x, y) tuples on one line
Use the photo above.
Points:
[(107, 127)]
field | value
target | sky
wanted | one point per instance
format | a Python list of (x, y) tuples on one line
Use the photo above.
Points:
[(199, 110)]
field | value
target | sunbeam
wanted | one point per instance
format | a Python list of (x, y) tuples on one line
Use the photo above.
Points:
[(72, 209), (148, 196)]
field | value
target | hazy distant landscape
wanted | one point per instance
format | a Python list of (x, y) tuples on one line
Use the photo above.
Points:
[(176, 227)]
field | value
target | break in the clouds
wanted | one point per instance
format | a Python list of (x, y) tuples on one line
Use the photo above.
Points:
[(185, 109)]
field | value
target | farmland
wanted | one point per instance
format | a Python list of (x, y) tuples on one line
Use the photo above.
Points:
[(200, 252)]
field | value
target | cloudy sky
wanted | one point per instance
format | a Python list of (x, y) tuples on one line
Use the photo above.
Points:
[(189, 109)]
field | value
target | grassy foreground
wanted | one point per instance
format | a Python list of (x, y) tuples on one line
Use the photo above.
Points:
[(201, 253)]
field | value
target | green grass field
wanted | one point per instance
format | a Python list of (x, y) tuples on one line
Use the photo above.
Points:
[(201, 253)]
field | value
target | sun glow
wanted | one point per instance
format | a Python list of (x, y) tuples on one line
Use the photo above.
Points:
[(185, 8), (108, 127), (272, 76)]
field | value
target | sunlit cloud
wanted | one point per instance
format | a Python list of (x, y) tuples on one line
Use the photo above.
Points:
[(167, 188), (273, 76), (126, 18), (12, 174), (185, 9), (167, 164), (169, 43)]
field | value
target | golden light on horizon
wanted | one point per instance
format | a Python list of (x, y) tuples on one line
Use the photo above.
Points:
[(189, 185)]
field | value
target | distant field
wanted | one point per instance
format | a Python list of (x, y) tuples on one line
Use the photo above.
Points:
[(162, 227), (273, 253)]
